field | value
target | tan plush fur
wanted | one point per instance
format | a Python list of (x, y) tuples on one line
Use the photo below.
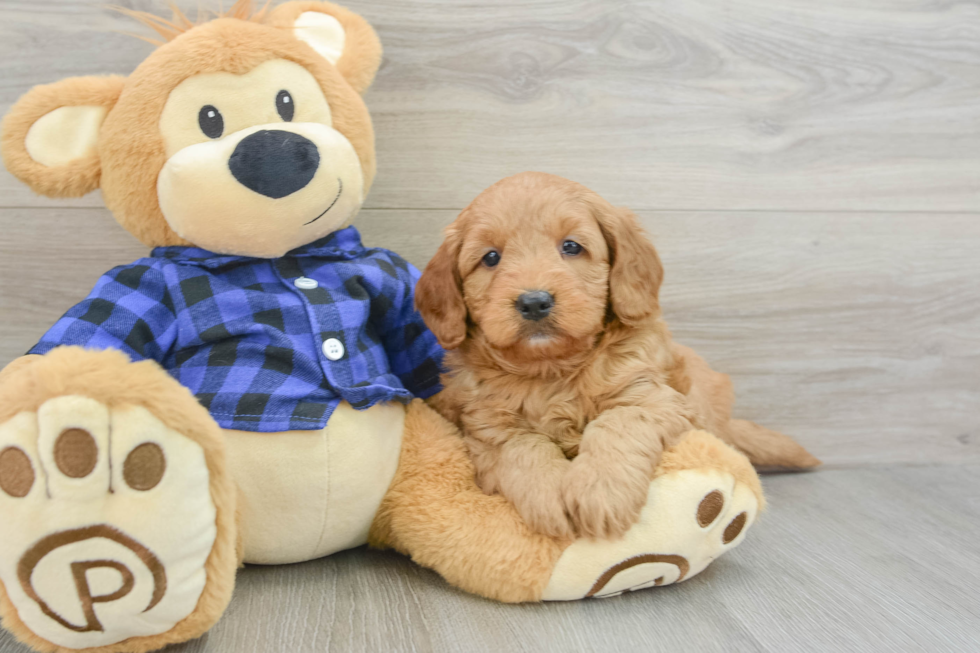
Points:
[(78, 177), (702, 450), (110, 378), (362, 48), (180, 23), (566, 416), (362, 54)]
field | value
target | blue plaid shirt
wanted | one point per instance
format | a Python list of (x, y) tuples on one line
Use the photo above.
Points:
[(249, 342)]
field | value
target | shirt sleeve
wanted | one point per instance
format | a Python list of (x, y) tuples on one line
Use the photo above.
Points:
[(413, 353), (129, 309)]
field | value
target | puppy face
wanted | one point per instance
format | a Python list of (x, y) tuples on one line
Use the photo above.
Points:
[(534, 270), (536, 265)]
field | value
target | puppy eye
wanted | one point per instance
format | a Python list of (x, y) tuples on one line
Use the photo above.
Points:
[(491, 259), (571, 248), (211, 122), (285, 106)]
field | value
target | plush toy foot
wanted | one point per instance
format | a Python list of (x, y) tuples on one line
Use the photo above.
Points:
[(701, 504), (111, 532)]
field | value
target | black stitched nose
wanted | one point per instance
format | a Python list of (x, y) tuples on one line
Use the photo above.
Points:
[(274, 163), (535, 305)]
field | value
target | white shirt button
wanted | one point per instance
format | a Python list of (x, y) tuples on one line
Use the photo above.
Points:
[(333, 349), (305, 283)]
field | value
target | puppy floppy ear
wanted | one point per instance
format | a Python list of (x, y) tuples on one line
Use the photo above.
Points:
[(636, 271), (439, 293), (337, 34), (51, 135)]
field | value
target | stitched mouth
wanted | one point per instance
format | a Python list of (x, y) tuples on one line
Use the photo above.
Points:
[(340, 189)]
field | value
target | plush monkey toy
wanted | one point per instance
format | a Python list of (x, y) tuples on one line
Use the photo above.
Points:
[(245, 392)]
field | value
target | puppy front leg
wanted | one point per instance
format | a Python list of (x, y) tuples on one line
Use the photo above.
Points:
[(607, 484), (527, 468)]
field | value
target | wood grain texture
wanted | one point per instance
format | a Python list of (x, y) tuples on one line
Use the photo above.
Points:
[(859, 334), (810, 170), (792, 105), (860, 560)]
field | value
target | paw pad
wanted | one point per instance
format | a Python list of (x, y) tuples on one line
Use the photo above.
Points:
[(16, 472), (734, 528), (75, 453), (144, 467), (710, 507), (708, 510)]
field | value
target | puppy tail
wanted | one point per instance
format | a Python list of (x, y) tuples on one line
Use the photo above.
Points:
[(768, 450)]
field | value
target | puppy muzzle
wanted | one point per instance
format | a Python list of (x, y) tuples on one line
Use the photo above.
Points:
[(535, 305)]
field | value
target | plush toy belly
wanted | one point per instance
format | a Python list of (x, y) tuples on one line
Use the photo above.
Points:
[(307, 494)]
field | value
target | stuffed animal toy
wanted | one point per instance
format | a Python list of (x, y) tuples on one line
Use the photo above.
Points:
[(245, 393)]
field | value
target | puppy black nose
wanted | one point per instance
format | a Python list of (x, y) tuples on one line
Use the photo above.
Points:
[(535, 305), (274, 163)]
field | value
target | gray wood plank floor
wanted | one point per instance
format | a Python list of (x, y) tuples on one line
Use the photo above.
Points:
[(705, 104), (867, 560), (810, 172)]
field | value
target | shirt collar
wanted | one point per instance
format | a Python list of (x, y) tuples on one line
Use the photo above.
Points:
[(343, 245)]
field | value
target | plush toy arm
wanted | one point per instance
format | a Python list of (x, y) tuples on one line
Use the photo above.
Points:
[(130, 309), (413, 353)]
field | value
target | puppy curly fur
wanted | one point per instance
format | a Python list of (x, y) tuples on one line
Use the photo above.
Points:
[(567, 416)]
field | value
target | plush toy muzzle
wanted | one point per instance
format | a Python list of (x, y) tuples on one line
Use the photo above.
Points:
[(262, 191), (274, 163), (255, 164)]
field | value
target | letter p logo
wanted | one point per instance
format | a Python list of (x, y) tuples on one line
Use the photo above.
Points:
[(44, 558)]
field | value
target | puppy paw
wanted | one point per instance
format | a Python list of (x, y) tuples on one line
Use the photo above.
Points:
[(545, 514), (601, 506)]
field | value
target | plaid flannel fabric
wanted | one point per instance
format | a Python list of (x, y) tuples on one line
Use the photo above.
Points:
[(249, 341)]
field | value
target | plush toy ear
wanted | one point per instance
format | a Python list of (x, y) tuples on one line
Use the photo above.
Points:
[(337, 34), (50, 136), (439, 293), (636, 271)]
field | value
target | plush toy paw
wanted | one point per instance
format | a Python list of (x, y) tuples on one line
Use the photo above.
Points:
[(702, 503), (108, 523)]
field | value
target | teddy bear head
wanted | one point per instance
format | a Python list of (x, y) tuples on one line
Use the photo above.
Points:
[(243, 135)]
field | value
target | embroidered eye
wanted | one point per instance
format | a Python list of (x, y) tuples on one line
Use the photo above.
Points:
[(211, 122), (285, 106), (491, 259), (571, 248)]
